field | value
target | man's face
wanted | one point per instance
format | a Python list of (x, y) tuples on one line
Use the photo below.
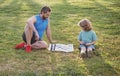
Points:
[(45, 15)]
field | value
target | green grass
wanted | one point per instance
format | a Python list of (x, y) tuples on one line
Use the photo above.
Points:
[(105, 16)]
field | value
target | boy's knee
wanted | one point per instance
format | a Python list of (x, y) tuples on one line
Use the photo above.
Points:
[(89, 49), (83, 50)]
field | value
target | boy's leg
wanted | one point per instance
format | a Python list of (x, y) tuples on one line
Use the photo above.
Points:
[(89, 52), (83, 52), (83, 49)]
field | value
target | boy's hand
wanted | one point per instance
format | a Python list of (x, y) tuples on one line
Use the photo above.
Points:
[(82, 42), (88, 44)]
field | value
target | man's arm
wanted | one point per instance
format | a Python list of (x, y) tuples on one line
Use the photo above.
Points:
[(30, 23), (48, 33)]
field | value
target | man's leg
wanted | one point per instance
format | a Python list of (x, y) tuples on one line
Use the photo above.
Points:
[(28, 35), (40, 45)]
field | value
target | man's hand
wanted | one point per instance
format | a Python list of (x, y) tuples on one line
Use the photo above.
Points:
[(53, 41)]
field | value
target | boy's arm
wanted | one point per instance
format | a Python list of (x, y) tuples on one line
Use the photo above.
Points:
[(88, 44), (94, 36), (80, 39), (81, 42)]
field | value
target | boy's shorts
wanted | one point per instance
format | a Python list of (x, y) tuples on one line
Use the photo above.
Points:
[(91, 46), (33, 39)]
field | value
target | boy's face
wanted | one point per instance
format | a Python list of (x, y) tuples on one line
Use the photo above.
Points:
[(85, 28), (82, 26)]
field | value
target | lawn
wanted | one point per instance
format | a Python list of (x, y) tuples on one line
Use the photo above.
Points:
[(105, 16)]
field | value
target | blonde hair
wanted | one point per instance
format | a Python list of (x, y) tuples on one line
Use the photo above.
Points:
[(85, 24)]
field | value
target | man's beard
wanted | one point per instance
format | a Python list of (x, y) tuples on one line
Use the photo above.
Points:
[(44, 18)]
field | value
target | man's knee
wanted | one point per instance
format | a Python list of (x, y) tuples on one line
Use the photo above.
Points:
[(28, 28), (45, 45), (42, 44)]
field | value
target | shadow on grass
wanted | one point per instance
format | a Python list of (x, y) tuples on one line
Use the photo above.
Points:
[(109, 18), (97, 66)]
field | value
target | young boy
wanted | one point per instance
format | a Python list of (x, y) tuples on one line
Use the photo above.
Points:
[(86, 38)]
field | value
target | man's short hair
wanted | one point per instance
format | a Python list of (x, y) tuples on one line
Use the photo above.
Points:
[(45, 9)]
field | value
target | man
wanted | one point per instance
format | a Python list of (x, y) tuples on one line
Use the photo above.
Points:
[(34, 31)]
